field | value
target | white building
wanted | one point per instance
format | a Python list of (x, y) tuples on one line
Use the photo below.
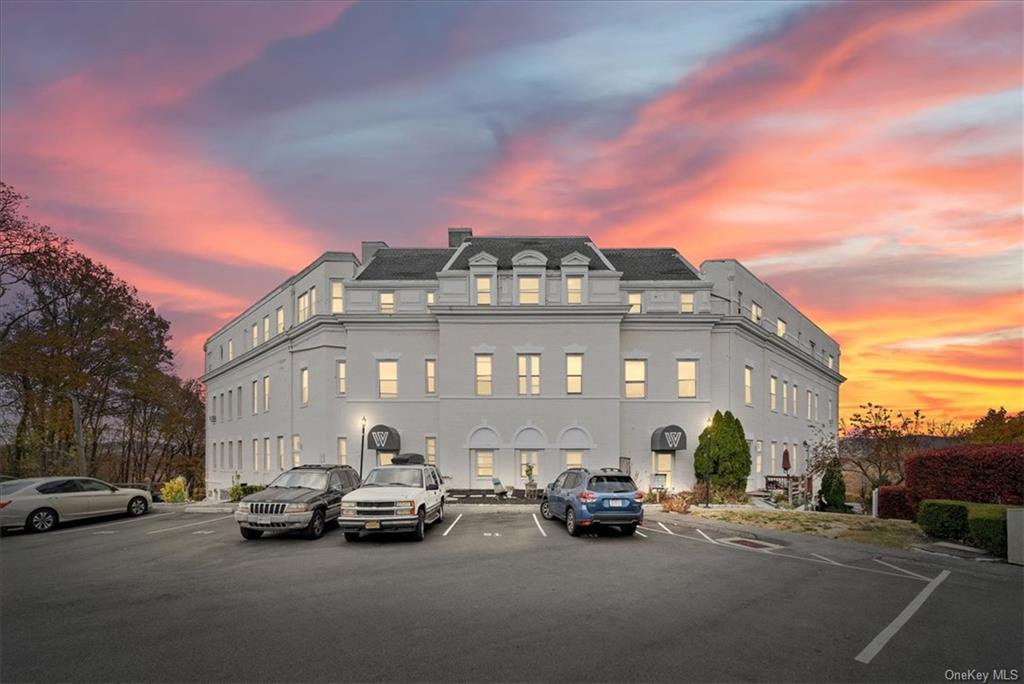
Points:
[(500, 351)]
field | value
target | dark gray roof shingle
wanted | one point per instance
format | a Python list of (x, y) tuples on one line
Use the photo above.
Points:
[(504, 248), (650, 264), (406, 263)]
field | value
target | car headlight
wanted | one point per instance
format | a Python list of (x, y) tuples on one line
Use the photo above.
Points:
[(348, 505), (405, 507), (243, 507), (296, 508)]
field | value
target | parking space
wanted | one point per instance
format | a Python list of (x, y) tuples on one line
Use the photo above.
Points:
[(493, 592)]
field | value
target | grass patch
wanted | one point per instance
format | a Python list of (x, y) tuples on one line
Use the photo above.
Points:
[(896, 534)]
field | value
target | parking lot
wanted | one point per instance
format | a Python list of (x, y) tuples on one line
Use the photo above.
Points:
[(493, 593)]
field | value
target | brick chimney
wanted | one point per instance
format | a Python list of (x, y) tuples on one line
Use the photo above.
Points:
[(456, 236), (370, 248)]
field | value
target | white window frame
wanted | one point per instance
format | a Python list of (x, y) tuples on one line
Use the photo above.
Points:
[(266, 454), (342, 448), (785, 397), (296, 450), (477, 470), (780, 327), (756, 312), (255, 335), (337, 296), (341, 376), (483, 381), (279, 315), (679, 378), (280, 452), (528, 378), (627, 383), (387, 308), (773, 393), (430, 376), (686, 302), (266, 327), (636, 307), (572, 295), (430, 449), (381, 393), (255, 397), (266, 393), (256, 454), (483, 296), (302, 307), (748, 385), (538, 292), (567, 453), (304, 386), (569, 377)]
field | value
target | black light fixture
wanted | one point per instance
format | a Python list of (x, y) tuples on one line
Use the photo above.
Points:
[(362, 446)]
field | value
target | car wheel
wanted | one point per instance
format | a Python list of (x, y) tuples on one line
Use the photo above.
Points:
[(629, 530), (440, 514), (315, 530), (42, 520), (351, 536), (137, 506), (545, 510), (250, 533), (570, 523), (421, 527)]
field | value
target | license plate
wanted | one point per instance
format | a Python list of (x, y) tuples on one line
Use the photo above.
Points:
[(262, 521), (616, 503), (373, 525)]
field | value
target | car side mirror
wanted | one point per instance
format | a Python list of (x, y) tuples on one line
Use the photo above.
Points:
[(432, 486)]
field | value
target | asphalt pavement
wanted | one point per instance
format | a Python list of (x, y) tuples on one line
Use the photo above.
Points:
[(493, 593)]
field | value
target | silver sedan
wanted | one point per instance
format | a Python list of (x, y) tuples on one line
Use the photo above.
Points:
[(39, 503)]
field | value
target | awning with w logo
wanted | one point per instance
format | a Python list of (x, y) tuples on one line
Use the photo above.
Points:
[(383, 438), (668, 438)]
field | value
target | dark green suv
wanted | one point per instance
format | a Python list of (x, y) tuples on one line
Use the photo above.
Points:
[(304, 499)]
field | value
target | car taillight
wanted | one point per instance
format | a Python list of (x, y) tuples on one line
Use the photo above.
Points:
[(639, 496), (587, 495), (4, 504)]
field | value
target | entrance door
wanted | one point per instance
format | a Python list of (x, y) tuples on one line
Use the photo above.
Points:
[(384, 457), (664, 464)]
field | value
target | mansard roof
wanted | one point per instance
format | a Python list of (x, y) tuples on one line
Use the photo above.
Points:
[(405, 263), (504, 250), (659, 263)]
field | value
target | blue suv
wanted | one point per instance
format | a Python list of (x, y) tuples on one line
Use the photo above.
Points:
[(586, 499)]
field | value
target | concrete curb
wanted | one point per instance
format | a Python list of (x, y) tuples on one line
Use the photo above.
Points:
[(219, 507)]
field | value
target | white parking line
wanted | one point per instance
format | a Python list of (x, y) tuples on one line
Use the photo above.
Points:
[(912, 574), (879, 642), (201, 522), (706, 537), (641, 534), (538, 525), (827, 560), (666, 529), (89, 528), (452, 525)]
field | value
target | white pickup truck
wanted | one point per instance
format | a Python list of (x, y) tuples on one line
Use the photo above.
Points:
[(403, 497)]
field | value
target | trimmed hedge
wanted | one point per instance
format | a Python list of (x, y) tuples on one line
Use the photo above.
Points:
[(893, 503), (967, 472), (979, 524)]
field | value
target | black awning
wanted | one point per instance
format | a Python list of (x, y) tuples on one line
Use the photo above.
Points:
[(668, 438), (383, 438)]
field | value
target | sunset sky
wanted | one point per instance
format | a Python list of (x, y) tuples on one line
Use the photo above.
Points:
[(865, 158)]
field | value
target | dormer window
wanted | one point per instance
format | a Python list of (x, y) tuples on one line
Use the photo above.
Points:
[(574, 289), (483, 290), (387, 302), (529, 289), (756, 312), (636, 302), (780, 328), (685, 302)]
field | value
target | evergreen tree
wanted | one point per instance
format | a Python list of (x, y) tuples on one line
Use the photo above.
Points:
[(722, 453), (833, 487)]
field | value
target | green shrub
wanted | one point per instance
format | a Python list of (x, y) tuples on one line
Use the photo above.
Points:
[(943, 519), (240, 490), (174, 491), (722, 453), (986, 525), (833, 488)]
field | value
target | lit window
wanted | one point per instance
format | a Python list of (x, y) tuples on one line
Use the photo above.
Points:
[(794, 395), (528, 457), (387, 302), (529, 290), (780, 328), (430, 298), (573, 459), (312, 301), (748, 379), (772, 459), (636, 378), (256, 455), (387, 379), (484, 363), (304, 385), (296, 450), (756, 312), (759, 469), (342, 451), (342, 370), (280, 452), (303, 305), (686, 372), (574, 373), (785, 397), (635, 302), (337, 297), (266, 328), (663, 466), (809, 401), (280, 320), (430, 450), (431, 376), (484, 463), (685, 302), (255, 334), (483, 289), (266, 454), (574, 289), (266, 393), (529, 374), (255, 397), (831, 361), (773, 393), (231, 349)]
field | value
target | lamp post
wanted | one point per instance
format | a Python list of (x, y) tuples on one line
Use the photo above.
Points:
[(707, 469), (362, 446)]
